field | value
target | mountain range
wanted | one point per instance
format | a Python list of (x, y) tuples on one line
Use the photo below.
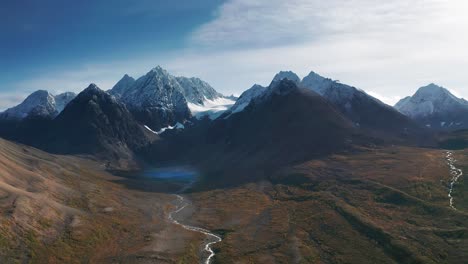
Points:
[(116, 123), (363, 110), (125, 119)]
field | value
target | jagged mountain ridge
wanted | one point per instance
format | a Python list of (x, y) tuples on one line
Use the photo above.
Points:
[(365, 111)]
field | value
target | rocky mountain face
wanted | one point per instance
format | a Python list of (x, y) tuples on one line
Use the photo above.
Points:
[(435, 107), (160, 99), (122, 86), (40, 104), (155, 99), (197, 91)]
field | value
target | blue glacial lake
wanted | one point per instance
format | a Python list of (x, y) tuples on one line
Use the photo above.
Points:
[(171, 173)]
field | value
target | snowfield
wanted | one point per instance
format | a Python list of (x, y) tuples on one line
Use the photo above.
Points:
[(211, 108)]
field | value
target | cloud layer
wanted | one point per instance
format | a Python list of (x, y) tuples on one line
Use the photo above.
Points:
[(388, 48)]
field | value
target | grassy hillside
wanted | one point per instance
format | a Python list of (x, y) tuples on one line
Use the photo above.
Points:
[(61, 209), (379, 206)]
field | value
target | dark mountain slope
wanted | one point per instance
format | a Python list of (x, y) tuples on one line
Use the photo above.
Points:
[(364, 110), (285, 126), (95, 122)]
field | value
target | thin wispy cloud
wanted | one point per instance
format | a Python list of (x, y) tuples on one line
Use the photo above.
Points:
[(243, 22)]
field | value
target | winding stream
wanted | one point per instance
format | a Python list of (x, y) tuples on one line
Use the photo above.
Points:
[(212, 238), (456, 174)]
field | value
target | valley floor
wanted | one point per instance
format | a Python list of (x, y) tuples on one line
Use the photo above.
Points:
[(378, 206), (386, 205)]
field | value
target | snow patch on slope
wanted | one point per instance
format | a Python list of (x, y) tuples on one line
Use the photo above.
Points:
[(210, 108), (150, 130), (162, 130)]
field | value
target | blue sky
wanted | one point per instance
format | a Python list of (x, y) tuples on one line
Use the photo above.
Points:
[(388, 48), (49, 37)]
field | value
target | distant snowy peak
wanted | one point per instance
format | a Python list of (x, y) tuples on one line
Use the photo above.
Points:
[(436, 94), (430, 100), (122, 86), (402, 102), (317, 83), (258, 93), (61, 100), (244, 100), (435, 107), (41, 103), (342, 95), (283, 87), (289, 75)]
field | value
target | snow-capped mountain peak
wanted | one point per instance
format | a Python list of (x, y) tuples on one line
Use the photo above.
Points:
[(156, 88), (40, 103), (317, 83), (286, 75), (434, 106), (433, 92), (159, 69), (429, 100), (160, 99)]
